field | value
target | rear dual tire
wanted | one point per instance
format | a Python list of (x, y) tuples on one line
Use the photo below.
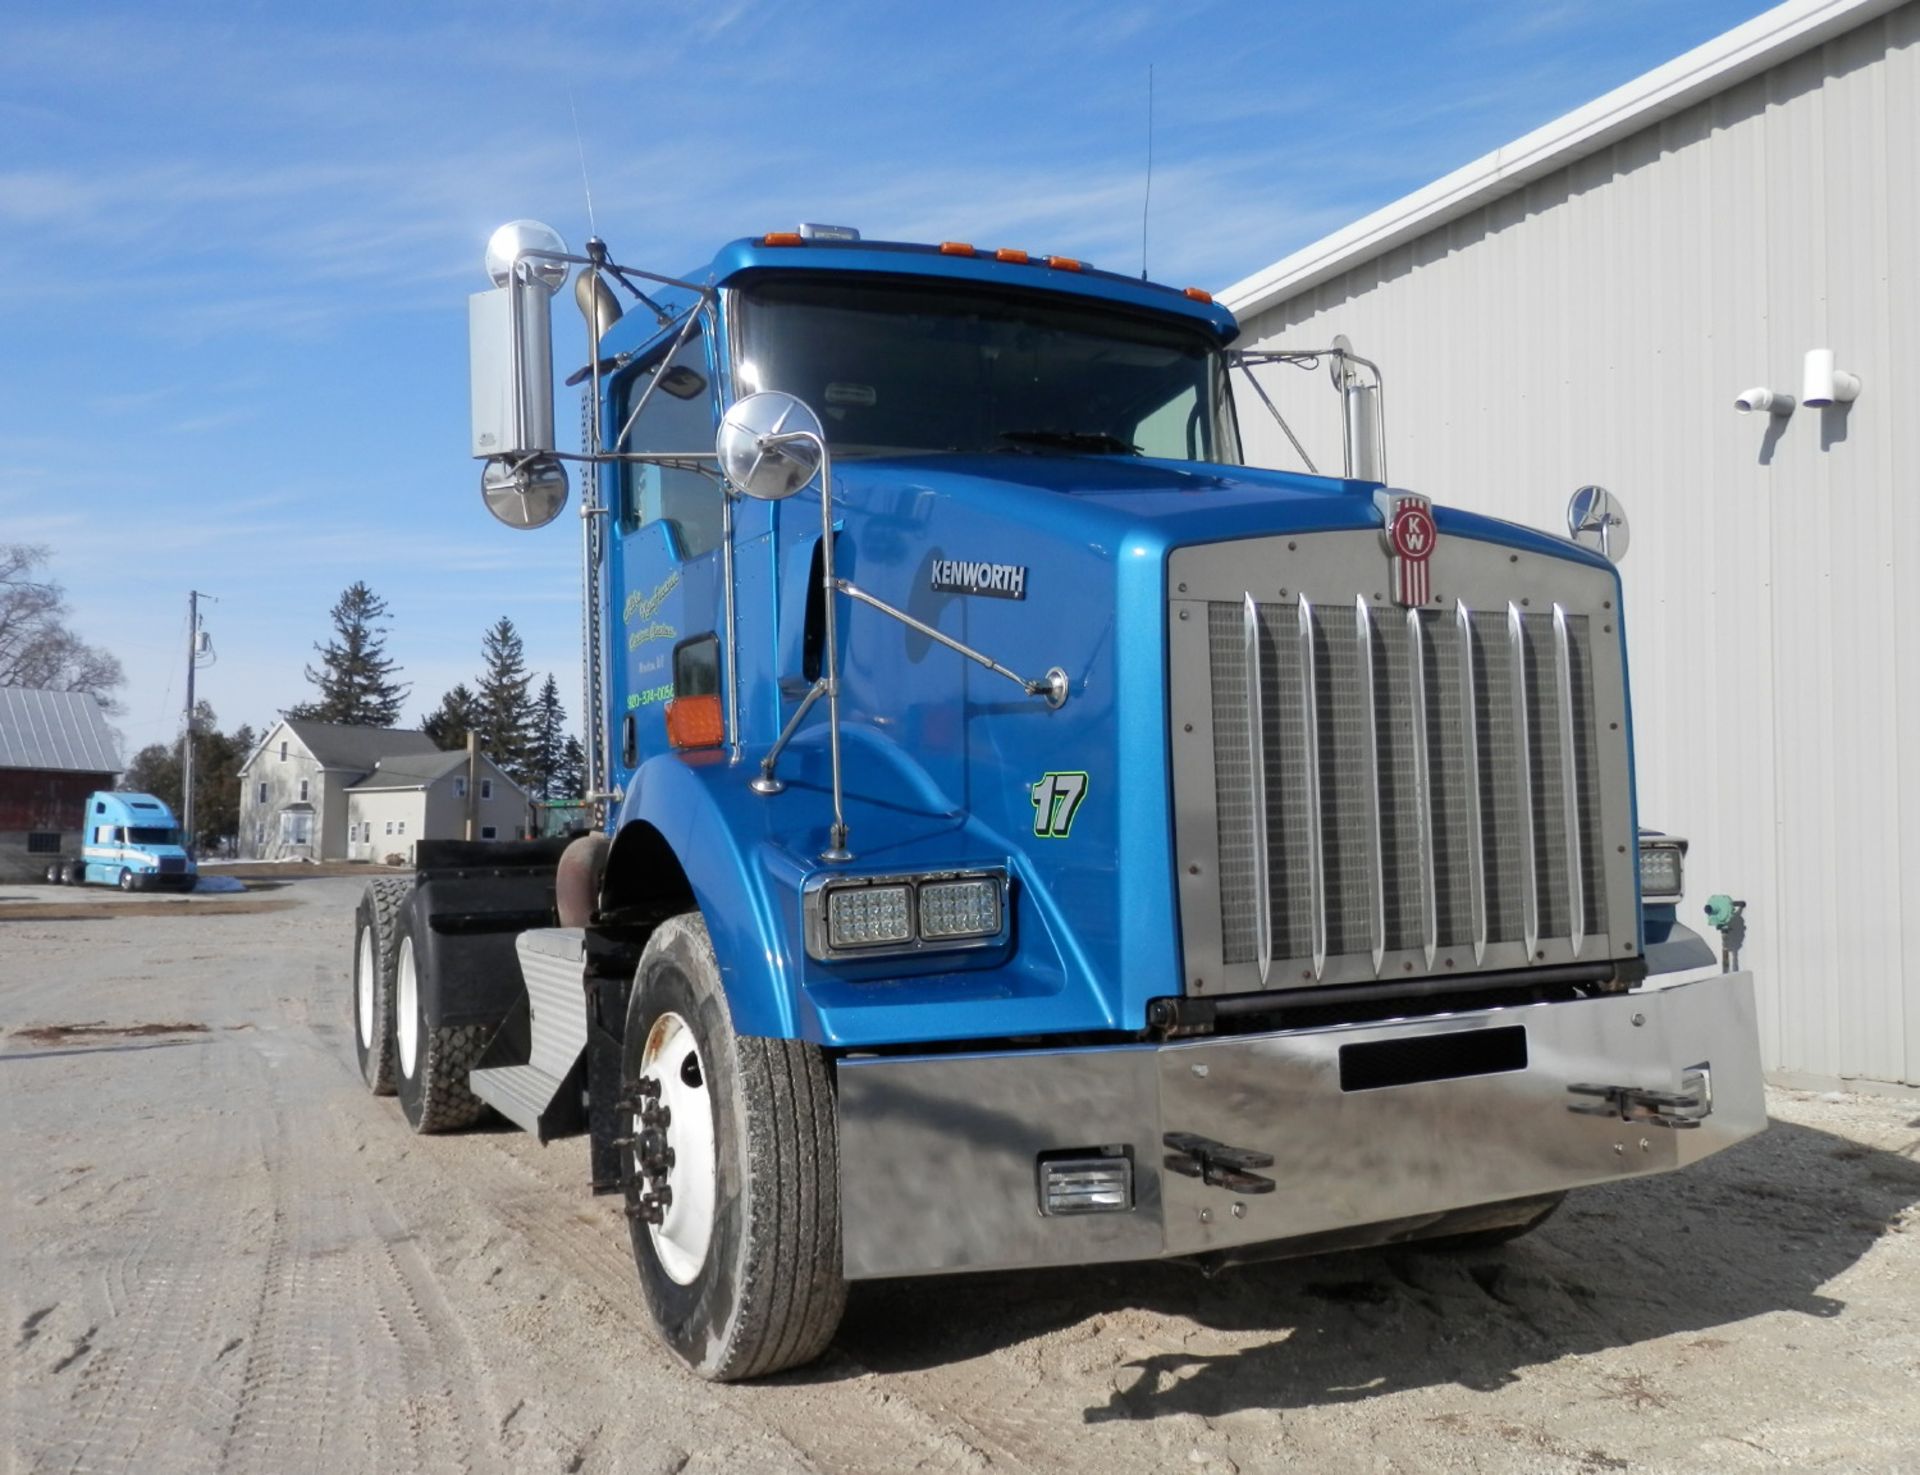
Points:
[(376, 932), (431, 1059)]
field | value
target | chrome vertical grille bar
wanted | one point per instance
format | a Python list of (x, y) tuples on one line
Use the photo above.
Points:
[(1422, 783), (1523, 756), (1257, 788), (1570, 781), (1369, 720), (1310, 730), (1470, 751)]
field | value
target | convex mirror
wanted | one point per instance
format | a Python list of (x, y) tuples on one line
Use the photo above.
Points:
[(1596, 520), (770, 445), (526, 495)]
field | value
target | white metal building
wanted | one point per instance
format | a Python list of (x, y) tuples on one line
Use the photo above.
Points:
[(1585, 305)]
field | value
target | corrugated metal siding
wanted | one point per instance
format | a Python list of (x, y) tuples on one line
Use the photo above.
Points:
[(61, 731), (1596, 326)]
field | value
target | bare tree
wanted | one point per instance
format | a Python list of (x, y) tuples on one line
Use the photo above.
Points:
[(36, 646)]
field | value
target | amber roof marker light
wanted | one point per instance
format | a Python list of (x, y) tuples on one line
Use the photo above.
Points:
[(1009, 253), (783, 238)]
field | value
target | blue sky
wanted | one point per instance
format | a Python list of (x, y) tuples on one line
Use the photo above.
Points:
[(236, 242)]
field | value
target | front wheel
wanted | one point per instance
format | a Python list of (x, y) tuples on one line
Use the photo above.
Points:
[(732, 1174), (128, 881)]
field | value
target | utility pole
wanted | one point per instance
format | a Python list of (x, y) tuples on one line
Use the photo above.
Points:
[(194, 644)]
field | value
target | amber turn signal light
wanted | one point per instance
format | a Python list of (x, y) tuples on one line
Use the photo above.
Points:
[(695, 722)]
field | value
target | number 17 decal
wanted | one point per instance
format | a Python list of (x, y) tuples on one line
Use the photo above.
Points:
[(1056, 799)]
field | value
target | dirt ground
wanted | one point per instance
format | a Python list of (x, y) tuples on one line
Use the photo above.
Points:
[(221, 1254)]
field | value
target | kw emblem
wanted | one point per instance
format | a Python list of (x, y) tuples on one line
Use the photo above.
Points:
[(1410, 536)]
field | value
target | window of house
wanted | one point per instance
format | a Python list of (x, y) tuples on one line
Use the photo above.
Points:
[(460, 788), (259, 834), (303, 791), (43, 842), (389, 827), (488, 832), (486, 788), (296, 829), (678, 417), (401, 829), (260, 795), (283, 752)]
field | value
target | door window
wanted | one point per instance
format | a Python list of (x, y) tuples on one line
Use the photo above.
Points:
[(677, 417)]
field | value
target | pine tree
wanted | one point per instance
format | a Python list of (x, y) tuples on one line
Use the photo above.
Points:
[(570, 778), (506, 715), (548, 750), (456, 716), (356, 675)]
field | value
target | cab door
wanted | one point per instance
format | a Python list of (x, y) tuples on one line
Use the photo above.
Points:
[(665, 561)]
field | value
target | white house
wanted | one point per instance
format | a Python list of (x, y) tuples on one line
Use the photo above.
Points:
[(425, 796), (293, 787), (1584, 306)]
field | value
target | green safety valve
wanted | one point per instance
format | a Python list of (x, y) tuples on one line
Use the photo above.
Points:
[(1721, 910)]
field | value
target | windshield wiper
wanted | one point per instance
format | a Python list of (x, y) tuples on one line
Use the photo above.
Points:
[(1093, 442)]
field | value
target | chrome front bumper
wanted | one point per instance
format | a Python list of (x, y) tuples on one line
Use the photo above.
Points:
[(939, 1153)]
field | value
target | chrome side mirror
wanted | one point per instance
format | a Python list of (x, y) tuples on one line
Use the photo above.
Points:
[(770, 445), (525, 494), (1596, 520)]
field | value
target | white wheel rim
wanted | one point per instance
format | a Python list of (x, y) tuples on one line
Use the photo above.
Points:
[(406, 1009), (681, 1237), (363, 988)]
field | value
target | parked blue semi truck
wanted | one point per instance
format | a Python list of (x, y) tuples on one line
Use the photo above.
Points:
[(1029, 835), (131, 841)]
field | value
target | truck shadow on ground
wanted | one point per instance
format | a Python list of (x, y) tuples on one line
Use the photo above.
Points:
[(1762, 1228)]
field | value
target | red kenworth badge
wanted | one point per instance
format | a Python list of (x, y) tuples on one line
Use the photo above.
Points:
[(1409, 534)]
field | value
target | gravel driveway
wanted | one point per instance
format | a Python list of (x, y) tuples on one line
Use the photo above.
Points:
[(220, 1253)]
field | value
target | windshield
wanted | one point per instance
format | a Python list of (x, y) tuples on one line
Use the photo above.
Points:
[(897, 367), (152, 835)]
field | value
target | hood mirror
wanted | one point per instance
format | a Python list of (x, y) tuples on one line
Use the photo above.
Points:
[(769, 445), (1596, 520)]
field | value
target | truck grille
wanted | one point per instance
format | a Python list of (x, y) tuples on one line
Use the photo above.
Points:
[(1404, 791), (172, 865)]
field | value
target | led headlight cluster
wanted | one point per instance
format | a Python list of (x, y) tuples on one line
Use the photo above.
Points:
[(890, 914), (1661, 867)]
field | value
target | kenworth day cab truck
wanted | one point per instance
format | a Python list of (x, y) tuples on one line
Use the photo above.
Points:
[(131, 841), (1031, 836)]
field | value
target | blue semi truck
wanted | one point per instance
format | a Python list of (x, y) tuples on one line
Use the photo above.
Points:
[(1026, 834), (131, 841)]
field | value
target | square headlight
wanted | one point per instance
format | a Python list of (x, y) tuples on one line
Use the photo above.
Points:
[(1660, 872), (869, 916), (959, 908)]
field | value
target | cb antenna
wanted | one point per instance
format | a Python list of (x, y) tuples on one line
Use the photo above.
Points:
[(1147, 203), (580, 142)]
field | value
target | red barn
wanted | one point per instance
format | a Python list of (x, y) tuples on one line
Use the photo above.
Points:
[(55, 749)]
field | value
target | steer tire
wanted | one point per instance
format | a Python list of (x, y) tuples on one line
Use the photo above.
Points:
[(128, 881), (430, 1078), (768, 1293), (376, 937)]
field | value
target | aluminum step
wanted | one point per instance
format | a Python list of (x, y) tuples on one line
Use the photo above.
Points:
[(552, 964), (520, 1093)]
